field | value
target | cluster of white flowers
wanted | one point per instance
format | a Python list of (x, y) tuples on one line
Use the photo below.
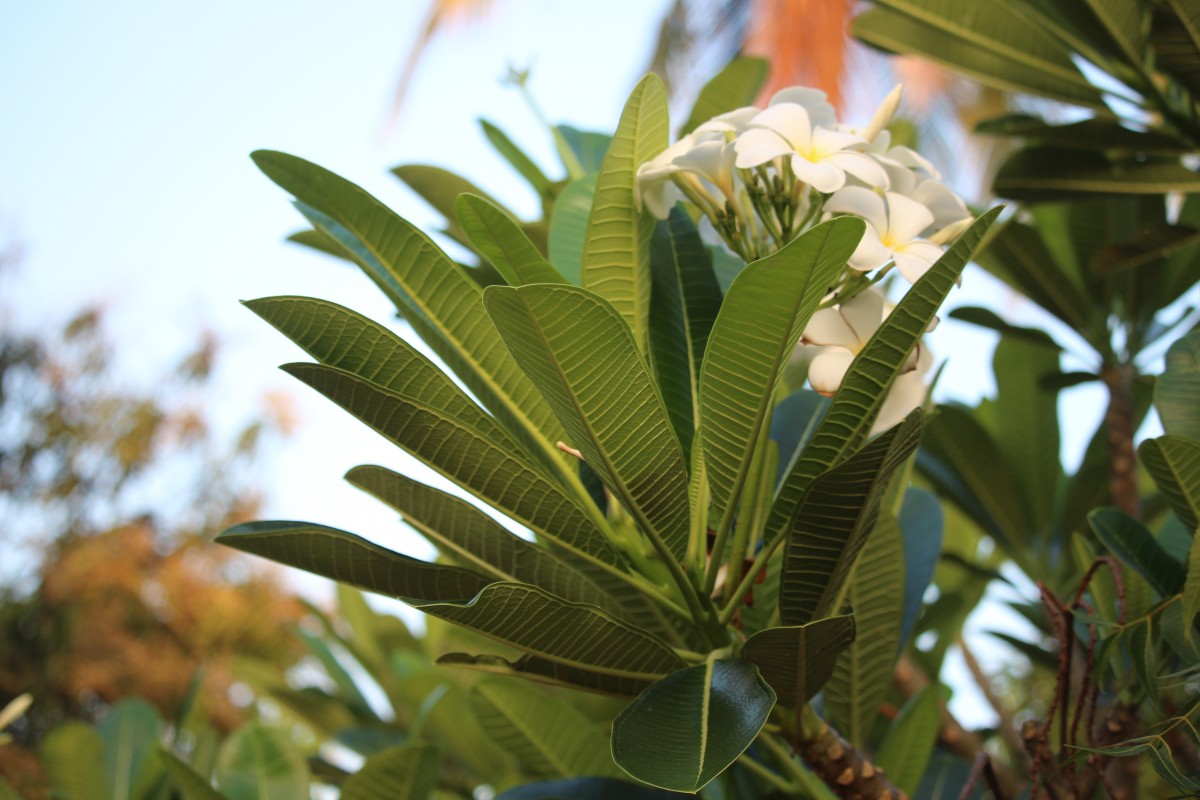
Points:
[(761, 177)]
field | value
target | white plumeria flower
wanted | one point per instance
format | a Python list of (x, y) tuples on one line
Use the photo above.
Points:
[(882, 116), (946, 206), (894, 225), (834, 336), (734, 121), (815, 102), (821, 157), (655, 189)]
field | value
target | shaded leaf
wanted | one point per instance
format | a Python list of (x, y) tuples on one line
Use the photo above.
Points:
[(549, 672), (921, 525), (588, 789), (910, 739), (548, 736), (467, 535), (684, 302), (477, 464), (568, 227), (862, 677), (986, 318), (1044, 173), (588, 147), (793, 422), (130, 735), (1177, 390), (409, 772), (686, 729), (184, 777), (1097, 133), (993, 44), (797, 661), (583, 358), (258, 762), (735, 86), (350, 559), (1174, 463), (73, 757), (833, 521), (1137, 548), (522, 163)]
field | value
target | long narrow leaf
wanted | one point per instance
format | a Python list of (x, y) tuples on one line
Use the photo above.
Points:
[(756, 330), (833, 521), (616, 250), (495, 234), (582, 356), (477, 464)]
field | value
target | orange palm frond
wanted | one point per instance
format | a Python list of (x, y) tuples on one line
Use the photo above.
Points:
[(805, 41), (441, 14)]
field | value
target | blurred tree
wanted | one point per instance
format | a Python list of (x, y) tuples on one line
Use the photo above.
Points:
[(110, 492)]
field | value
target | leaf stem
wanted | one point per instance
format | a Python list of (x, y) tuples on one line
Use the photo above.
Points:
[(760, 561)]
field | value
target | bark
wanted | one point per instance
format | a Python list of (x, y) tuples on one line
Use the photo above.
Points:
[(1118, 421), (844, 769)]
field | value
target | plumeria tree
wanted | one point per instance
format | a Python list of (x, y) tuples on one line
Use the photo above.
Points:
[(706, 540)]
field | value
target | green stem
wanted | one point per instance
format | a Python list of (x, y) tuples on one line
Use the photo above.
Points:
[(766, 774), (801, 776), (760, 561)]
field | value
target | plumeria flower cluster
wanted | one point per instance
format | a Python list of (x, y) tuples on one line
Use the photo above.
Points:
[(762, 177)]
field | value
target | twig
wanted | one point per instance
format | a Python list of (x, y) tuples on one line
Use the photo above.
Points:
[(982, 767)]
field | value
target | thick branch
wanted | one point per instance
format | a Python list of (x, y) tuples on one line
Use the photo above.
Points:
[(843, 768), (1118, 421)]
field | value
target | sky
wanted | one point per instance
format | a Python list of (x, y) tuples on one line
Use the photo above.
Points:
[(125, 131)]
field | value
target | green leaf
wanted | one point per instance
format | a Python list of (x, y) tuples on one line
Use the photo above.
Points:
[(1174, 463), (315, 240), (1026, 421), (965, 464), (184, 777), (439, 188), (581, 355), (1046, 173), (1137, 548), (686, 729), (130, 734), (909, 742), (1124, 21), (522, 163), (1177, 390), (548, 736), (756, 330), (684, 302), (1096, 133), (797, 661), (736, 86), (616, 250), (408, 772), (73, 757), (568, 227), (1019, 256), (430, 289), (870, 376), (258, 762), (350, 559), (1191, 586), (574, 634), (587, 147), (341, 338), (991, 43), (468, 536), (922, 524), (986, 318), (862, 677), (833, 521), (477, 464), (498, 236), (553, 673)]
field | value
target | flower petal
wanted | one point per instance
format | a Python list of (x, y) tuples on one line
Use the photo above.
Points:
[(861, 203), (821, 175), (914, 259), (863, 314), (758, 146), (861, 166), (789, 120), (826, 370), (907, 392), (814, 101), (906, 219), (829, 327)]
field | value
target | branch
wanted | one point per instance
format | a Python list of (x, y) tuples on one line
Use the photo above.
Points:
[(1118, 420), (843, 769), (1008, 728)]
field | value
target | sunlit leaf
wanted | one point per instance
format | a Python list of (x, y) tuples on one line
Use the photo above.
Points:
[(616, 250), (498, 236), (258, 762), (409, 772), (909, 742)]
